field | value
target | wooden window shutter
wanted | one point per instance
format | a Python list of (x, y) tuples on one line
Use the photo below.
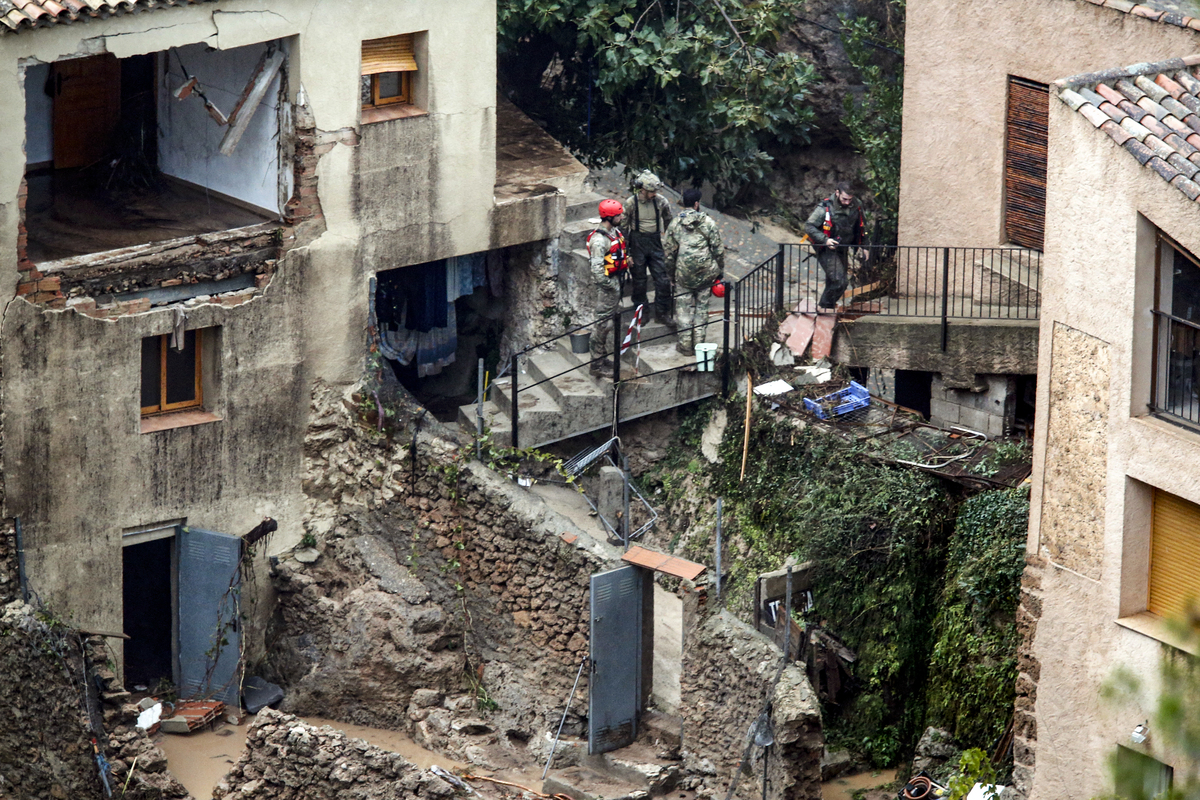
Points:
[(1174, 555), (1025, 162), (393, 54)]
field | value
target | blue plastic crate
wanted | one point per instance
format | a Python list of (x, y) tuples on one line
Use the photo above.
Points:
[(853, 397)]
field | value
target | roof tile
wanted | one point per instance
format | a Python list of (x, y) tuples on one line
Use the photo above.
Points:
[(1188, 187), (1072, 99), (1164, 170), (1113, 112), (1160, 148), (1175, 142), (1135, 111), (1098, 117), (1148, 13), (1129, 90), (1134, 129), (1173, 88), (1119, 5), (1091, 96), (1175, 107), (1116, 132), (1110, 94), (1176, 125), (1192, 121), (1190, 102), (1185, 167), (1139, 151), (1154, 126), (20, 15), (1188, 81), (1151, 88), (1152, 107)]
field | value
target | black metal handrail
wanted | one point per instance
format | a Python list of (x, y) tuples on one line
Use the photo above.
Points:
[(1175, 393), (944, 283)]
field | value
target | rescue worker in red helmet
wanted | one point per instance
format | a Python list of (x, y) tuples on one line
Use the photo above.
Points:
[(608, 257)]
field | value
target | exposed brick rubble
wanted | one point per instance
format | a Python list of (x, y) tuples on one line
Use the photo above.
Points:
[(286, 759), (1029, 611), (728, 671)]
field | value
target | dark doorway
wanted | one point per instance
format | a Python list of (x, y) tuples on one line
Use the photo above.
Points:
[(1024, 409), (914, 390), (148, 612)]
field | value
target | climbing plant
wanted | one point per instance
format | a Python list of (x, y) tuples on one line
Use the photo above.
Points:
[(973, 665), (694, 90)]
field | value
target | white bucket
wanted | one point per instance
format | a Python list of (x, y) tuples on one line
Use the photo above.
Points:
[(706, 357)]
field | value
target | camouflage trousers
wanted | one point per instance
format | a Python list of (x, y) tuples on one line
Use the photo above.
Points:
[(607, 301), (693, 311)]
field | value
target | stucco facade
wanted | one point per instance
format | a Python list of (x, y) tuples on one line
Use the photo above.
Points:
[(82, 470), (1098, 457)]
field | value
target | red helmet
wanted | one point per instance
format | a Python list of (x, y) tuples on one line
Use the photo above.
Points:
[(718, 288), (611, 208)]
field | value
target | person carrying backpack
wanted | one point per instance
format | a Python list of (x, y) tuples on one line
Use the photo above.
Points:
[(835, 226), (694, 254), (608, 259)]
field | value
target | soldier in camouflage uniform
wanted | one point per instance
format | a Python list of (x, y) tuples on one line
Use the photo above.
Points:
[(694, 254), (609, 263), (647, 216), (836, 226)]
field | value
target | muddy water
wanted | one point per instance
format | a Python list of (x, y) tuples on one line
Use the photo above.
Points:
[(844, 788), (201, 759)]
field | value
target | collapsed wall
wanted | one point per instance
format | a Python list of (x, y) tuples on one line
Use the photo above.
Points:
[(442, 593), (728, 674), (285, 757)]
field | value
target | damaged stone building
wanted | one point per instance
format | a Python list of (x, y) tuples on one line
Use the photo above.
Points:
[(1080, 129), (215, 216)]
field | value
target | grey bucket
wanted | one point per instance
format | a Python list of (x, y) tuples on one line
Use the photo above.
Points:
[(581, 342)]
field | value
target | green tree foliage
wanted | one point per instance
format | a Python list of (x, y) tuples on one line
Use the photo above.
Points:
[(693, 90), (877, 535), (973, 664), (874, 118)]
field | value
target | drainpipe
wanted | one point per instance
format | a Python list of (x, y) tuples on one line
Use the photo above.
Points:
[(21, 577)]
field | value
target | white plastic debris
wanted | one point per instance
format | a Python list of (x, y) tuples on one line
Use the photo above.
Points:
[(147, 719), (781, 356), (984, 792), (773, 388)]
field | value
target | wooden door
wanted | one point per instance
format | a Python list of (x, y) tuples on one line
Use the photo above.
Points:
[(87, 108)]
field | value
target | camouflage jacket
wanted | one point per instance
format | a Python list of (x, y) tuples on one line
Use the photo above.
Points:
[(693, 250), (662, 207), (599, 245)]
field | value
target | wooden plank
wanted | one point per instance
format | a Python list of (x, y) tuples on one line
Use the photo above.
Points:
[(255, 90)]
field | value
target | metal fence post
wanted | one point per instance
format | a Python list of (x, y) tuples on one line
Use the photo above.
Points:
[(725, 360), (945, 291), (512, 370), (617, 346), (779, 280), (479, 414), (718, 558)]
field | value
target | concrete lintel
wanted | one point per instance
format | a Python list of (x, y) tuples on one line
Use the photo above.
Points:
[(973, 347)]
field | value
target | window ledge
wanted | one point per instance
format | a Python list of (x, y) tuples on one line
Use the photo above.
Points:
[(177, 419), (1160, 630), (394, 111)]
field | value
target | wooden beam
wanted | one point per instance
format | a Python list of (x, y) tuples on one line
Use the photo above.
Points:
[(256, 89)]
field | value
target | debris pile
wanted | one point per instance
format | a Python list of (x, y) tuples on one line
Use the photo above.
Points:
[(286, 758)]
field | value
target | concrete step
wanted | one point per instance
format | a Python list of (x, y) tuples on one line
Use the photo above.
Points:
[(1007, 278), (574, 234), (496, 420), (583, 206), (576, 393)]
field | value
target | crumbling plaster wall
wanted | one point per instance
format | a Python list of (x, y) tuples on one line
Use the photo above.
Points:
[(79, 470), (1084, 595), (952, 176)]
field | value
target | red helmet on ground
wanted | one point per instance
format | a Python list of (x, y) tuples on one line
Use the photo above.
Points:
[(611, 208)]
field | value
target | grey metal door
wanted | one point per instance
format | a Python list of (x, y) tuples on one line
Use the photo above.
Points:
[(616, 649), (209, 615)]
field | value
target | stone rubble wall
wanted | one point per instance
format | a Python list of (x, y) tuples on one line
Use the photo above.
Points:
[(286, 759), (45, 738), (487, 621), (727, 673), (1029, 611)]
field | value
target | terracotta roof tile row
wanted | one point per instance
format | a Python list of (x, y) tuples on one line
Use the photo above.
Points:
[(17, 15), (1151, 110), (1167, 13)]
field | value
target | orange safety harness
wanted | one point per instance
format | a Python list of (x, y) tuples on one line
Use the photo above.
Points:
[(617, 258), (827, 225)]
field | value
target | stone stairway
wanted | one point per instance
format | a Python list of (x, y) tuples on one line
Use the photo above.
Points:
[(1007, 278), (558, 397)]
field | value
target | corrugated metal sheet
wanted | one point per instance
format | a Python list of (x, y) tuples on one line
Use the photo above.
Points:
[(1025, 162), (18, 15), (661, 562)]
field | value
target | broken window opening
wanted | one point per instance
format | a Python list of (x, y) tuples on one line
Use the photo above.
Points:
[(117, 156), (172, 379), (1176, 385), (435, 320)]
